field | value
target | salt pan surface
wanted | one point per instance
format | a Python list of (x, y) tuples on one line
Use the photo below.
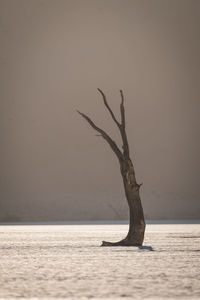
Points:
[(65, 261)]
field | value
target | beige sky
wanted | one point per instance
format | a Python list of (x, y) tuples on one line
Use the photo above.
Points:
[(54, 54)]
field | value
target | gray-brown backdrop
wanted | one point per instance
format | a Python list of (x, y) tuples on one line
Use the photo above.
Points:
[(54, 54)]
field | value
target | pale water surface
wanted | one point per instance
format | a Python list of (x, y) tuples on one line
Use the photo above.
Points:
[(65, 261)]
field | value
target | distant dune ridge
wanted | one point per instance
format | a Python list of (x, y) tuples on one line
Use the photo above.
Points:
[(54, 56)]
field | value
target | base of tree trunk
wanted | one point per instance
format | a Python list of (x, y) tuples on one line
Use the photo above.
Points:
[(123, 242)]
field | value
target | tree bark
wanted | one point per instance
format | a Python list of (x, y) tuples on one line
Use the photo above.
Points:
[(136, 231)]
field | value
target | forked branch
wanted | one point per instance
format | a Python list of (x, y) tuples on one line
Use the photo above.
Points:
[(108, 139), (121, 125)]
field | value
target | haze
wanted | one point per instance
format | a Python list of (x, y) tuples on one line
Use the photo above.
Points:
[(54, 56)]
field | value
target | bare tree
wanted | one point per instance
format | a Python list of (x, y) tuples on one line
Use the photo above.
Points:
[(136, 231)]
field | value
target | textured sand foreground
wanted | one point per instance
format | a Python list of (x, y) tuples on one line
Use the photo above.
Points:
[(65, 261)]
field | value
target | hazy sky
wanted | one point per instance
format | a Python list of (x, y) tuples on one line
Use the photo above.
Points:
[(54, 55)]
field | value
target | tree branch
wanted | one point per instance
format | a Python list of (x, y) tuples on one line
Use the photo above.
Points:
[(112, 144), (108, 107), (122, 128), (122, 109)]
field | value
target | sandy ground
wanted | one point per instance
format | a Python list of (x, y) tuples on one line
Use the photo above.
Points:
[(65, 261)]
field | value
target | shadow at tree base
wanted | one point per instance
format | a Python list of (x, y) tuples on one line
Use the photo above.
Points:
[(125, 243), (148, 248)]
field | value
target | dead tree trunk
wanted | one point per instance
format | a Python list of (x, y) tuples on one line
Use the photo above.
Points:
[(136, 231)]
